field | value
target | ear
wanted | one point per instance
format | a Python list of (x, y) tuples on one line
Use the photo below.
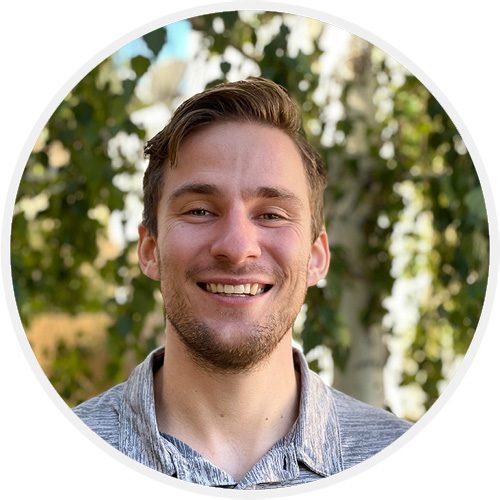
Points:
[(148, 254), (319, 259)]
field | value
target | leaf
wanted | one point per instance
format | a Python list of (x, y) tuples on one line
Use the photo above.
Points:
[(225, 67), (229, 18), (433, 107), (83, 112), (156, 40), (140, 65), (475, 203)]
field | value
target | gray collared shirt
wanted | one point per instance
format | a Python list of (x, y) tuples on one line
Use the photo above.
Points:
[(333, 432)]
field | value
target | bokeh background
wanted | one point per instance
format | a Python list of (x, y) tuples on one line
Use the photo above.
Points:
[(405, 213)]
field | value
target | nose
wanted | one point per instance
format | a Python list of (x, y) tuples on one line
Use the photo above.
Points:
[(235, 238)]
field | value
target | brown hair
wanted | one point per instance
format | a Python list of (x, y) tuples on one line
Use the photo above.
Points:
[(253, 100)]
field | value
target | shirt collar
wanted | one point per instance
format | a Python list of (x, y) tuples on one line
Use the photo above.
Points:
[(317, 435), (139, 437), (314, 440)]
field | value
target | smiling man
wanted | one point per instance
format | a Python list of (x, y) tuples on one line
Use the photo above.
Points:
[(233, 232)]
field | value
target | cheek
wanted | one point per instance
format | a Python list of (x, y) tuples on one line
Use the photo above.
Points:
[(291, 254), (179, 239)]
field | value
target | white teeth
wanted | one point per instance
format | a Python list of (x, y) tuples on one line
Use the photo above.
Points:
[(246, 289)]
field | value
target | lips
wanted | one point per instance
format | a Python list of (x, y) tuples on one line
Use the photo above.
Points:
[(237, 289)]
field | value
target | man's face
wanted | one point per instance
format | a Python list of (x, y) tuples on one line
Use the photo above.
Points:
[(233, 251)]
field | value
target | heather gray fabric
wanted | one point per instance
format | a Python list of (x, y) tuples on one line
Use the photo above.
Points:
[(333, 432)]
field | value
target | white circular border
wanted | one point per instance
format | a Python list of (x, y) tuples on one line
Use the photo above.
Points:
[(326, 18)]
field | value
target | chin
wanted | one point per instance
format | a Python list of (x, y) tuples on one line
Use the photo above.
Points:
[(229, 349)]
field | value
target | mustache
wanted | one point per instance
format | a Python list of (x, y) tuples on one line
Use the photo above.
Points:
[(232, 271)]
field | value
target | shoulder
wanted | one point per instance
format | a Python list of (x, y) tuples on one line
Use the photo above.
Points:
[(110, 414), (101, 413), (363, 429)]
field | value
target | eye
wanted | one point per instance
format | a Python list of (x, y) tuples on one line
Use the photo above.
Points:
[(198, 212), (271, 216)]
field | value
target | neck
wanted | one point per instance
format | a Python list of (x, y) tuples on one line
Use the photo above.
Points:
[(231, 419)]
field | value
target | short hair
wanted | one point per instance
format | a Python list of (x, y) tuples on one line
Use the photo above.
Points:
[(255, 100)]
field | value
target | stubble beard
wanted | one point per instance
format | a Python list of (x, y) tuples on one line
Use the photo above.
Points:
[(248, 345)]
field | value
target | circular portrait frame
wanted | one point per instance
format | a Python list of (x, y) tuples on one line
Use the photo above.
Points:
[(471, 352)]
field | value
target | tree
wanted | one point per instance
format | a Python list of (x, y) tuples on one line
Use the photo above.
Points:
[(400, 178)]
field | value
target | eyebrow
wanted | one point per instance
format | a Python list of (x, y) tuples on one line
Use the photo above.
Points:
[(212, 190), (277, 193), (193, 188)]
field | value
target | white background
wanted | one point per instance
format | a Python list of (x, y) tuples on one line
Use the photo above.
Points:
[(44, 45)]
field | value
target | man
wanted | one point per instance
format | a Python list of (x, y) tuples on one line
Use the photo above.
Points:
[(233, 231)]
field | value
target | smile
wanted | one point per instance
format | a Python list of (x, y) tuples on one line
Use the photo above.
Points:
[(241, 289)]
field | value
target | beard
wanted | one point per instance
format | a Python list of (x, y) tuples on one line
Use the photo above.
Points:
[(248, 343)]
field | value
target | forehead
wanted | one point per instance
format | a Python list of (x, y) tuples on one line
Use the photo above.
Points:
[(239, 157)]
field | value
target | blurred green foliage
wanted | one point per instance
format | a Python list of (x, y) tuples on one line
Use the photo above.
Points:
[(407, 145)]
